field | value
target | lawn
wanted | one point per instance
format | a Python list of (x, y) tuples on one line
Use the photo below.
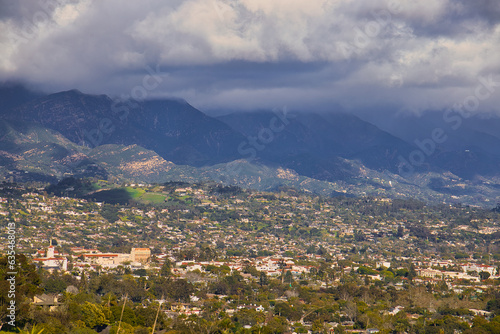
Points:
[(152, 198), (135, 192)]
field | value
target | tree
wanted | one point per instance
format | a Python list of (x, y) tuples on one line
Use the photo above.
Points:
[(484, 275), (180, 290), (281, 265), (493, 305), (321, 251), (27, 285), (339, 329), (109, 212), (283, 309), (400, 232), (166, 268), (359, 236), (249, 317), (311, 249), (276, 325), (412, 273), (37, 329), (263, 278), (248, 269), (93, 315), (125, 328), (140, 272), (363, 270)]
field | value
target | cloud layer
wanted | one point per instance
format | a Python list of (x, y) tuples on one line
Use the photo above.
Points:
[(246, 54)]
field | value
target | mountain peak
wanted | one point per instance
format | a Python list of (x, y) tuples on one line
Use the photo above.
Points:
[(171, 127)]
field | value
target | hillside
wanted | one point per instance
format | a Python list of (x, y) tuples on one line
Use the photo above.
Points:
[(172, 128), (79, 135)]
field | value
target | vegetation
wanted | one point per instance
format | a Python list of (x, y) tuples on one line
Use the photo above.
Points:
[(339, 263)]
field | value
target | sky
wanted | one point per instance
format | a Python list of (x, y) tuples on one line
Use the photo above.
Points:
[(228, 55)]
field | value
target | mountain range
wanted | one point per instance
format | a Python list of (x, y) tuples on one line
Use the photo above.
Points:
[(48, 137)]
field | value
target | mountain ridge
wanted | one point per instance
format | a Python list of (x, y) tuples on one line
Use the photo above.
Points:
[(165, 126), (47, 139)]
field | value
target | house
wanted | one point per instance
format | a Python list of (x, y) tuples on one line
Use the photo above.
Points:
[(395, 310), (480, 312), (385, 264), (108, 259), (46, 301), (432, 273)]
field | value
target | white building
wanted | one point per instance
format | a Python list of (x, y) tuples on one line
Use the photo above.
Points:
[(52, 261)]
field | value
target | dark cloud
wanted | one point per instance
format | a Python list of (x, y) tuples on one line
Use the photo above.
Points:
[(462, 19), (486, 10), (242, 54)]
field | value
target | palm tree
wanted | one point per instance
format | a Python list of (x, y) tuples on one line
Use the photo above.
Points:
[(34, 330)]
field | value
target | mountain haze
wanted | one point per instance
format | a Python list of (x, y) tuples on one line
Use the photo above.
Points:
[(313, 144), (172, 128), (70, 133)]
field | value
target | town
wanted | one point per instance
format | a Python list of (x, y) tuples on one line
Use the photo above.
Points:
[(215, 258)]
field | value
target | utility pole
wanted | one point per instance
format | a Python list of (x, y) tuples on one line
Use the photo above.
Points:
[(121, 316), (156, 318)]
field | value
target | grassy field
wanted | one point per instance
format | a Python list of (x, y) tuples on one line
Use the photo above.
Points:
[(152, 198), (135, 192), (123, 195)]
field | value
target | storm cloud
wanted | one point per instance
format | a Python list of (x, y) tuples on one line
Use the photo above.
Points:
[(251, 54)]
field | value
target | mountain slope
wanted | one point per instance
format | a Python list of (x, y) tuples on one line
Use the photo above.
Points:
[(471, 146), (316, 144), (131, 162), (14, 94), (75, 134), (32, 152), (172, 128)]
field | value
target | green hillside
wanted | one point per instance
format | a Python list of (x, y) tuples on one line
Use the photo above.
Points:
[(34, 153)]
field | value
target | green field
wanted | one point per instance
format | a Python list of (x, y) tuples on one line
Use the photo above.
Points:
[(152, 198), (135, 192)]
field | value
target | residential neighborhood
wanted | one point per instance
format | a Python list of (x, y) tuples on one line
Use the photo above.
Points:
[(286, 262)]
